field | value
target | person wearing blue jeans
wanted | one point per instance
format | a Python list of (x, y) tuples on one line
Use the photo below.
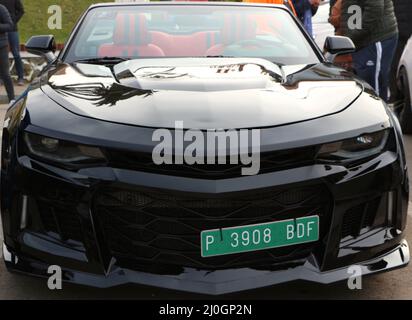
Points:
[(6, 24), (376, 40), (373, 64), (14, 44), (305, 10), (307, 21), (16, 10)]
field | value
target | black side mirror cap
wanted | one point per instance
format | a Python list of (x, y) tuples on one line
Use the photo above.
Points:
[(42, 46), (337, 45)]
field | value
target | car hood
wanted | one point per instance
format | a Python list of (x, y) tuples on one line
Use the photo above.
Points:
[(213, 93)]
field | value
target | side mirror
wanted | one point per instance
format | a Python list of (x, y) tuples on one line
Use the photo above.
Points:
[(42, 46), (337, 45)]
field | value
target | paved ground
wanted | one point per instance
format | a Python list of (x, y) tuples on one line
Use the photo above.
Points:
[(392, 285)]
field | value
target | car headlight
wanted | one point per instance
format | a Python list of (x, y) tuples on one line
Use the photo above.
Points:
[(363, 146), (61, 151)]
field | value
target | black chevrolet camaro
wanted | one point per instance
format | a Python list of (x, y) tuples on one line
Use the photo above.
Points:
[(81, 188)]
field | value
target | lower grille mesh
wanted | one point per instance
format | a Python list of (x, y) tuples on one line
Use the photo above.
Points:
[(163, 228), (359, 217), (61, 221)]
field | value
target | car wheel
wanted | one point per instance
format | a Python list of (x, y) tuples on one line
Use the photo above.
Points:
[(405, 115)]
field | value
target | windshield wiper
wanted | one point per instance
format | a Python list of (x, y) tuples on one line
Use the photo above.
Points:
[(283, 73), (103, 60)]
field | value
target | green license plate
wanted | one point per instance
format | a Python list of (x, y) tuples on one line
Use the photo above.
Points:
[(262, 236)]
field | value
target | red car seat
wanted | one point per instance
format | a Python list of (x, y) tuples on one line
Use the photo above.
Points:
[(236, 27), (185, 45), (131, 38)]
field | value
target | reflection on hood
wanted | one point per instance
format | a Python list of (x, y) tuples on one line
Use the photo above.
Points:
[(199, 74), (99, 94), (213, 93)]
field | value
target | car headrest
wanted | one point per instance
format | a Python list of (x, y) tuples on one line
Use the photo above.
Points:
[(238, 27), (131, 29)]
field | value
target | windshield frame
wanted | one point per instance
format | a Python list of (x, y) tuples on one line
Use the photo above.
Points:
[(64, 52)]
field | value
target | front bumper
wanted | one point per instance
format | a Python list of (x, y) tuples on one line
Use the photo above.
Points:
[(376, 191), (217, 282)]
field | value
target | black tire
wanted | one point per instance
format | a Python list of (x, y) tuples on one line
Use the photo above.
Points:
[(405, 115)]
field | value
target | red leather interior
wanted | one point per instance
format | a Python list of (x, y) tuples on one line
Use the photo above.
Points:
[(131, 38), (195, 44), (235, 28)]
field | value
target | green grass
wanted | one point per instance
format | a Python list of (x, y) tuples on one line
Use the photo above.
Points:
[(35, 20)]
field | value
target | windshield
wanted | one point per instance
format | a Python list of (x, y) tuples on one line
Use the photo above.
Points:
[(152, 31)]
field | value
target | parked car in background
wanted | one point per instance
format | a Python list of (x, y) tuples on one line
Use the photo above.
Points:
[(404, 109)]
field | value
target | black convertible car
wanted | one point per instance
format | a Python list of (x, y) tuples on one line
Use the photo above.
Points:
[(81, 187)]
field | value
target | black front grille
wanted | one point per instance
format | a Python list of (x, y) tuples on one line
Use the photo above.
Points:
[(163, 228), (269, 162)]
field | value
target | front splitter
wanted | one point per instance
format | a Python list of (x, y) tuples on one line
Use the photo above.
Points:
[(217, 282)]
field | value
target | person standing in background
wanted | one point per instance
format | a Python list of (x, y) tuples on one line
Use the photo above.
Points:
[(403, 12), (305, 10), (335, 17), (6, 25), (331, 5), (376, 41), (16, 10)]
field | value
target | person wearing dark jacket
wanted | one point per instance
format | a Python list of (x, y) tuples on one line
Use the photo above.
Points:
[(403, 12), (6, 25), (16, 10), (376, 40)]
